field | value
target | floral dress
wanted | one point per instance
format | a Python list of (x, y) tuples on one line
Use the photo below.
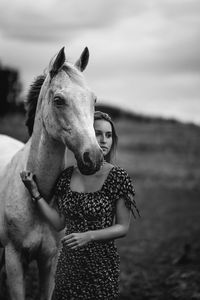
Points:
[(92, 271)]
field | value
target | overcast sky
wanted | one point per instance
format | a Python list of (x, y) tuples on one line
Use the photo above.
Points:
[(144, 54)]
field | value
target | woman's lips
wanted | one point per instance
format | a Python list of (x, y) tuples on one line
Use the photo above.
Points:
[(104, 147)]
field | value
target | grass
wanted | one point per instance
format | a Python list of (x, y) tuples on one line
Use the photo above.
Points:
[(160, 256)]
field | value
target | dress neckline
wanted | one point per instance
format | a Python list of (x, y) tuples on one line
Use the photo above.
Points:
[(86, 193)]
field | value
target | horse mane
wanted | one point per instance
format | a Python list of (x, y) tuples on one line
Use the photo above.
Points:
[(31, 101)]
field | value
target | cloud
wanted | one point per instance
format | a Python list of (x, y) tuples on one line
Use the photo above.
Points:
[(146, 51), (46, 21), (153, 36), (148, 44)]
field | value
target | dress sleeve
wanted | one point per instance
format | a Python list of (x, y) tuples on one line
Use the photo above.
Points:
[(127, 192)]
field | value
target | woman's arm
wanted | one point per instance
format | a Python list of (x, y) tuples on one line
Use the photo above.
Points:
[(50, 213), (118, 230), (52, 216)]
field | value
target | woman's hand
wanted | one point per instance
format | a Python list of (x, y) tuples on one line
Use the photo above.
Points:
[(28, 179), (77, 240)]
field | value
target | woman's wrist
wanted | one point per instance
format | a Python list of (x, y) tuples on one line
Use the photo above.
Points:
[(36, 197), (91, 234), (34, 192)]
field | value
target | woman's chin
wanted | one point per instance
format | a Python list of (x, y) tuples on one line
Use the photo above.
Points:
[(105, 152)]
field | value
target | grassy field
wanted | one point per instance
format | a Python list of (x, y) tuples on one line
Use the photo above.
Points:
[(160, 257)]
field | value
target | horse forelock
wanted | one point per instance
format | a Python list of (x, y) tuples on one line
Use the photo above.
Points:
[(73, 73), (31, 101)]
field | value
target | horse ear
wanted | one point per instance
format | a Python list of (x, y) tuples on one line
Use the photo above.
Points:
[(58, 62), (82, 62)]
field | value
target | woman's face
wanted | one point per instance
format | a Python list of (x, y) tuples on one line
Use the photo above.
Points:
[(103, 131)]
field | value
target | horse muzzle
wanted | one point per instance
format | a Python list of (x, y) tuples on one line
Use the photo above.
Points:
[(90, 162)]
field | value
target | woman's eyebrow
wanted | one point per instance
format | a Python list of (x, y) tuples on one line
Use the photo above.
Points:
[(108, 132), (99, 130)]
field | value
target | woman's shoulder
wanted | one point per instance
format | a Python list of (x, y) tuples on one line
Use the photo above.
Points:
[(66, 171), (63, 179), (118, 176), (120, 172), (65, 174)]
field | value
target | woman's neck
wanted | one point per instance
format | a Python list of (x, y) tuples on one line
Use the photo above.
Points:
[(89, 183)]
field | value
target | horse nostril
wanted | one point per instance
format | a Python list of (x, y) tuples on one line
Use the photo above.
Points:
[(87, 160)]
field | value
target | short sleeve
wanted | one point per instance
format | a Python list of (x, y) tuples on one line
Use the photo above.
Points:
[(127, 192)]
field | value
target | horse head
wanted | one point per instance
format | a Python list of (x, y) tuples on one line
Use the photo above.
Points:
[(66, 106)]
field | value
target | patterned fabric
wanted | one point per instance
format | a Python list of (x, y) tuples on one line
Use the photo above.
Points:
[(92, 271)]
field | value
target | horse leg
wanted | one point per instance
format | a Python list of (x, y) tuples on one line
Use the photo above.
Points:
[(3, 285), (15, 273), (46, 267), (2, 257)]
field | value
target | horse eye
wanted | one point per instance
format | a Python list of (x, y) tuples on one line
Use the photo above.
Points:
[(95, 100), (59, 100)]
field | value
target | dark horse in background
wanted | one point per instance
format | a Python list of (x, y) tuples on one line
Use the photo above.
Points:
[(63, 119)]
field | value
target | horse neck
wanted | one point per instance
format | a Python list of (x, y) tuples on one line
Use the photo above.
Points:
[(46, 161)]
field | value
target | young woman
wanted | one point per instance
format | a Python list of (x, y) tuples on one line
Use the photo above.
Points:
[(94, 210)]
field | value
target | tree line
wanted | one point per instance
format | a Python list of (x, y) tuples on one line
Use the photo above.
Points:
[(10, 90)]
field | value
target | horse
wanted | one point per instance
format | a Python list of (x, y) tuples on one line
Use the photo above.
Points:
[(8, 147), (63, 119)]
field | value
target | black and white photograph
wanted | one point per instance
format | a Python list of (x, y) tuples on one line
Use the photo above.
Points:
[(99, 150)]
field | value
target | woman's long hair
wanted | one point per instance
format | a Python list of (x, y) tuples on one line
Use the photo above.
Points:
[(111, 156)]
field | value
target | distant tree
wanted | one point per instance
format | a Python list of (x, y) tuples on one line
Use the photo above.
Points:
[(10, 89)]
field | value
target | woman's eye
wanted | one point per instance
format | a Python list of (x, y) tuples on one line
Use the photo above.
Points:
[(58, 100)]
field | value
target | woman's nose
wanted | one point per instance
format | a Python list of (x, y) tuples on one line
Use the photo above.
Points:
[(103, 138)]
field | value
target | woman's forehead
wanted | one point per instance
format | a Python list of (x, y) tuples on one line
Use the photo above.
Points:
[(102, 125)]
